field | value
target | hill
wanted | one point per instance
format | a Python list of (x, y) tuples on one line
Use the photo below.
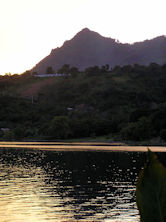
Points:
[(125, 103), (88, 48)]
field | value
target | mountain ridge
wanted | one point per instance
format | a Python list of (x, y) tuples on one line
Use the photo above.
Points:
[(89, 48)]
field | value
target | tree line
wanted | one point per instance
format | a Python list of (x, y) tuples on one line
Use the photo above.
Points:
[(123, 103)]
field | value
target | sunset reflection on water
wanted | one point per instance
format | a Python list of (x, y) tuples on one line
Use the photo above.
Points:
[(68, 186)]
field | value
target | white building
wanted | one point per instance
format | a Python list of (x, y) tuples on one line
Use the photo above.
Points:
[(50, 75)]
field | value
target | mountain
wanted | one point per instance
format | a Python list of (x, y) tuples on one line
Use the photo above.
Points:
[(88, 48)]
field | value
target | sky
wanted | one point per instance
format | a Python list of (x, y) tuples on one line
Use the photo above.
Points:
[(30, 29)]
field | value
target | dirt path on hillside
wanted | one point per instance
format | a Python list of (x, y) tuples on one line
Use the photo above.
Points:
[(34, 88)]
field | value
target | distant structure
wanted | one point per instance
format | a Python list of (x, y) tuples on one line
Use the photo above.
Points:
[(5, 129), (50, 75)]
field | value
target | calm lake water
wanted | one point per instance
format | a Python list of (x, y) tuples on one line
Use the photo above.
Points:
[(39, 185)]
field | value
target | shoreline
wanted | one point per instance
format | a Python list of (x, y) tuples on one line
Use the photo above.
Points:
[(82, 146)]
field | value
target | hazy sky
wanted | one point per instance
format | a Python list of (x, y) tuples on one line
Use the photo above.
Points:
[(29, 29)]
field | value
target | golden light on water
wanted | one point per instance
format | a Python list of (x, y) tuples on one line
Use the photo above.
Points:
[(24, 196), (75, 146), (39, 185)]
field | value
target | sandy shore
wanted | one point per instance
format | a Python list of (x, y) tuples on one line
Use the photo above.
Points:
[(56, 146)]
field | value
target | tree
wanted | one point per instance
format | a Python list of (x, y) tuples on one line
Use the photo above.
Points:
[(94, 70), (74, 71), (65, 69), (49, 70), (105, 69), (138, 131), (59, 127)]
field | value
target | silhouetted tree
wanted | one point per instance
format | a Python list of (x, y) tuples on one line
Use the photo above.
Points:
[(94, 70), (59, 127), (74, 71), (65, 69), (49, 70)]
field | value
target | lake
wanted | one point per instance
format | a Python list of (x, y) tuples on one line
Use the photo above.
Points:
[(43, 185)]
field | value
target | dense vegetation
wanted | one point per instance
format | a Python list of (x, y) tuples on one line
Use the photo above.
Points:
[(125, 103)]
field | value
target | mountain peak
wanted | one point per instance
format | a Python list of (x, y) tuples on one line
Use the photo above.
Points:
[(85, 30), (89, 48), (87, 34)]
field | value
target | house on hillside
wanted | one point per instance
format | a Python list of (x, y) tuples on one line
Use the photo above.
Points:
[(4, 129)]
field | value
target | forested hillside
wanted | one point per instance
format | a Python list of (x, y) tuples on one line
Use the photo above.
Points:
[(126, 103)]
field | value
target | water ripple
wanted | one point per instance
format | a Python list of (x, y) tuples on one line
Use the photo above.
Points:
[(68, 186)]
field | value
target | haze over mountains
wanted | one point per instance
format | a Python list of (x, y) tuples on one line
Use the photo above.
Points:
[(88, 48)]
